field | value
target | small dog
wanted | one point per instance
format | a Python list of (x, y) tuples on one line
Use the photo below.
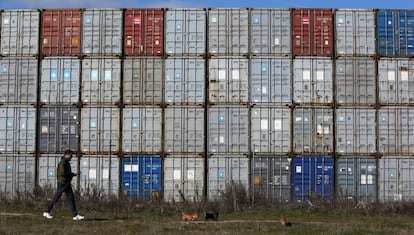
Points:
[(189, 217), (211, 216), (284, 222)]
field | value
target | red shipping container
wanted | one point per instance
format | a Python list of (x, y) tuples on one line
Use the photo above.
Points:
[(143, 33), (61, 32), (312, 32)]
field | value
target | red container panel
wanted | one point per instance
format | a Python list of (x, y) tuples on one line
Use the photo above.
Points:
[(312, 32), (61, 32), (143, 33)]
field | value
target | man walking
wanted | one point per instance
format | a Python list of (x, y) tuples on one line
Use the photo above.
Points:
[(64, 178)]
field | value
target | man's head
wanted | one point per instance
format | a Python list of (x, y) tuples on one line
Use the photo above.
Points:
[(68, 154)]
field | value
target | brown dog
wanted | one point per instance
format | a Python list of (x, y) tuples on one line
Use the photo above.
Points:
[(189, 217), (284, 222)]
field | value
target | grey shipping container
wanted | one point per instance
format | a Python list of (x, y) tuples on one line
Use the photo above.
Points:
[(225, 173), (100, 129), (183, 178), (313, 80), (313, 130), (356, 178), (229, 80), (396, 130), (271, 178), (60, 80), (270, 31), (184, 80), (185, 31), (18, 80), (142, 80), (355, 131), (20, 32), (270, 80), (355, 32), (141, 132), (270, 132), (396, 181), (395, 85), (17, 175), (47, 170), (59, 129), (101, 81), (99, 174), (102, 32), (18, 129), (184, 129), (355, 81), (228, 129), (228, 31)]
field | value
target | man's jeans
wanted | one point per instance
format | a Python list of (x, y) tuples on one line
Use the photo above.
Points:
[(61, 188)]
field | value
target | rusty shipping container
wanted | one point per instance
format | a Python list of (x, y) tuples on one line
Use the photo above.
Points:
[(143, 32), (61, 32), (312, 32)]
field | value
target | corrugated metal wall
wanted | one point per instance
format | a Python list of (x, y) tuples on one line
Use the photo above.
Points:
[(292, 104)]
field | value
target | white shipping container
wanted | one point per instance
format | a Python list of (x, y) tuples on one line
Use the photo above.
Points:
[(183, 178), (17, 175), (101, 81), (99, 129), (20, 32), (60, 80), (141, 132), (47, 170), (102, 32), (396, 181)]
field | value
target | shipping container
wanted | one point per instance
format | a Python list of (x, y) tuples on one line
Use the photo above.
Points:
[(270, 80), (271, 178), (313, 130), (47, 170), (184, 129), (228, 129), (100, 129), (99, 175), (141, 132), (143, 32), (18, 80), (228, 80), (143, 80), (102, 32), (226, 172), (101, 81), (228, 31), (17, 176), (396, 130), (20, 32), (395, 33), (396, 178), (355, 131), (184, 80), (17, 129), (59, 129), (395, 81), (270, 131), (356, 178), (183, 178), (313, 178), (185, 31), (142, 176), (60, 80), (312, 32), (312, 80), (355, 81), (270, 31), (61, 32), (354, 32)]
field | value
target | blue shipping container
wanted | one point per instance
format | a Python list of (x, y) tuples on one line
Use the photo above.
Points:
[(313, 178), (395, 33), (141, 176)]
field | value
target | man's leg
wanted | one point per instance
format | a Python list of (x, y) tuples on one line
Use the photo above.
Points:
[(59, 191), (71, 198)]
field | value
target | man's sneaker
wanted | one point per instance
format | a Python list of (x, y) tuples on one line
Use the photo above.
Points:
[(78, 217), (47, 215)]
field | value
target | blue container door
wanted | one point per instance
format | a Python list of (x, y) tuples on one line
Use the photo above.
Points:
[(386, 37), (302, 179), (152, 177), (406, 29), (324, 180)]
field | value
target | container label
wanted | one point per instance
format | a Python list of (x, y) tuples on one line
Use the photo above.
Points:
[(235, 74), (298, 169), (92, 173), (66, 75), (278, 124), (222, 74), (105, 174), (404, 76), (391, 76), (263, 124), (319, 75), (108, 75), (264, 90), (221, 139), (94, 75), (190, 174), (131, 167), (306, 75), (177, 174), (277, 41)]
